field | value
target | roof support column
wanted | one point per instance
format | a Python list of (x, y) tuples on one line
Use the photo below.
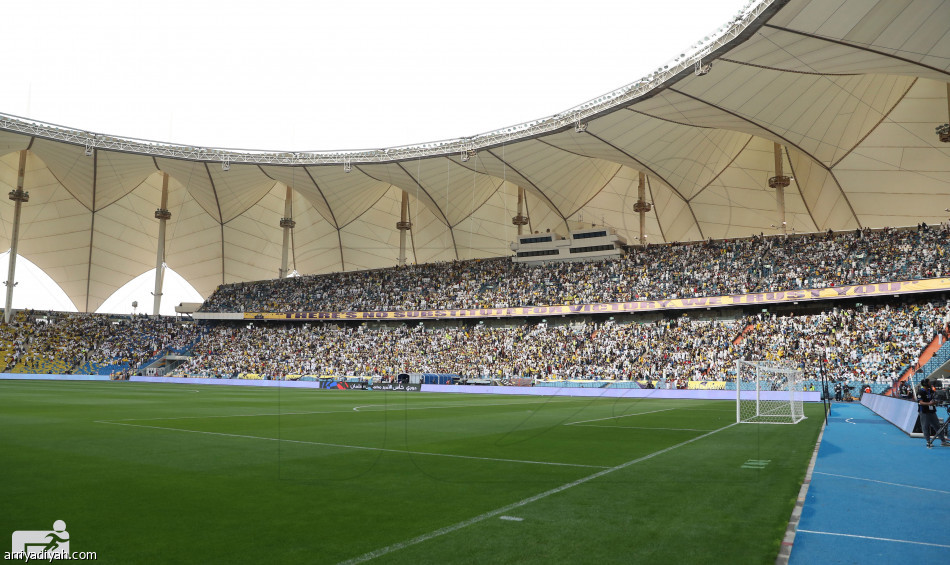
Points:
[(943, 131), (288, 223), (162, 215), (403, 225), (520, 220), (780, 182), (18, 197), (642, 206)]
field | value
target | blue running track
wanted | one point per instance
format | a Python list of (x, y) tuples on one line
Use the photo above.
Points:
[(877, 496)]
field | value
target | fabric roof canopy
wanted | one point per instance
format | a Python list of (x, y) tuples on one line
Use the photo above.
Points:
[(851, 91)]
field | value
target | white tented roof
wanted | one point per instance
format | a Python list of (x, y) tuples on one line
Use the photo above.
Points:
[(851, 91)]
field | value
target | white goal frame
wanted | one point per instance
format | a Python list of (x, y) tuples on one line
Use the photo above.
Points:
[(769, 392)]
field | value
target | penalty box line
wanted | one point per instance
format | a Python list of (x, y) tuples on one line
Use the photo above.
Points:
[(505, 509), (358, 447), (621, 416), (639, 428)]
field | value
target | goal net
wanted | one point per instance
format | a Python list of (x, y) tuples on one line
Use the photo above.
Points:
[(768, 392)]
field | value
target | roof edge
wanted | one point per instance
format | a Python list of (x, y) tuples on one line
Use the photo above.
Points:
[(735, 31)]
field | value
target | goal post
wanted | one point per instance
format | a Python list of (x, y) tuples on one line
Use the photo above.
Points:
[(769, 392)]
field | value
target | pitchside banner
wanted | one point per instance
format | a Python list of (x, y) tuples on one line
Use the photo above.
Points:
[(395, 386), (850, 291)]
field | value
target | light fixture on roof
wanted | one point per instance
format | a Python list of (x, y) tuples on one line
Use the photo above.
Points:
[(226, 165), (943, 133), (89, 148), (701, 69), (467, 154), (19, 195), (781, 181), (580, 127), (347, 166)]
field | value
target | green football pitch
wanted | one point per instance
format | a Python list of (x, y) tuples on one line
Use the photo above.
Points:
[(162, 473)]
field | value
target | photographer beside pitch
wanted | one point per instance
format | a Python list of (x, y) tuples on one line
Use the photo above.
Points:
[(927, 407)]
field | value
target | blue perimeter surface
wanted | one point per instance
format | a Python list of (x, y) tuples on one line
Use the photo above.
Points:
[(876, 495)]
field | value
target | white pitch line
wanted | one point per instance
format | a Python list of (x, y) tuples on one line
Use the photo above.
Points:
[(359, 447), (223, 416), (354, 409), (621, 416), (536, 403), (503, 510), (882, 482), (874, 538), (639, 428)]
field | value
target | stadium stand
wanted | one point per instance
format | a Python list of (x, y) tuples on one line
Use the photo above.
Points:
[(67, 343), (710, 268), (874, 344), (857, 344)]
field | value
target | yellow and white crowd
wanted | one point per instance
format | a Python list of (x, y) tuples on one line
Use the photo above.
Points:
[(712, 268), (52, 342), (863, 344), (870, 343)]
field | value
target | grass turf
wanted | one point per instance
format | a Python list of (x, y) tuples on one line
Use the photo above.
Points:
[(160, 473)]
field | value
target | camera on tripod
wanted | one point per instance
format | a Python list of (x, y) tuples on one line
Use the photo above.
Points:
[(941, 391)]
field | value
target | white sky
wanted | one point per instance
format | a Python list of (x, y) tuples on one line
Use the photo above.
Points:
[(307, 75)]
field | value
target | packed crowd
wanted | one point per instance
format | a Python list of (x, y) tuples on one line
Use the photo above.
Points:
[(48, 341), (42, 343), (860, 344), (134, 341), (575, 351), (713, 268), (866, 344)]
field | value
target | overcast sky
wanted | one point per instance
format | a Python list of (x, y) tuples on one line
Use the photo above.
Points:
[(311, 75)]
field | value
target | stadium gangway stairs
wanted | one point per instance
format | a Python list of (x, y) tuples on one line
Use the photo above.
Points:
[(939, 359), (157, 360)]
